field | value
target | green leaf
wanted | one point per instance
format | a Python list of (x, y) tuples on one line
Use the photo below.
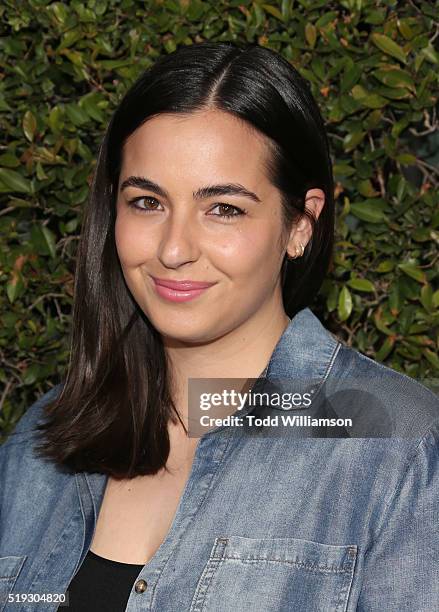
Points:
[(405, 29), (413, 271), (432, 357), (361, 284), (71, 225), (352, 139), (50, 240), (388, 46), (332, 298), (55, 120), (75, 57), (380, 324), (310, 34), (422, 234), (406, 318), (430, 54), (368, 212), (31, 374), (41, 175), (350, 78), (417, 339), (344, 304), (399, 126), (385, 349), (427, 298), (349, 104), (343, 170), (409, 287), (4, 106), (69, 38), (29, 125), (272, 10), (114, 64), (60, 11), (11, 181), (14, 287), (90, 103), (395, 297), (76, 114), (374, 101), (375, 17), (359, 92), (327, 17), (373, 120), (393, 93), (366, 189), (195, 10), (394, 77), (385, 266), (406, 159), (9, 160), (42, 240)]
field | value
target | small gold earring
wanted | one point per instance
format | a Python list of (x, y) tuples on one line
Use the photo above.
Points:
[(301, 250)]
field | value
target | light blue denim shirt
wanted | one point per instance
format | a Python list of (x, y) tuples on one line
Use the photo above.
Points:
[(294, 522)]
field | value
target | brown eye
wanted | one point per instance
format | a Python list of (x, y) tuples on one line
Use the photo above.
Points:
[(152, 203), (230, 211)]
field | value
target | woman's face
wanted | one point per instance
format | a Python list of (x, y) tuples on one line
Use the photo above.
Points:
[(176, 230)]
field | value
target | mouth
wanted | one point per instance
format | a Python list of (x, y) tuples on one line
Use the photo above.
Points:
[(179, 291)]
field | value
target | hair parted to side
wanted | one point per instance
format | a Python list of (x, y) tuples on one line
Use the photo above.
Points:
[(114, 407)]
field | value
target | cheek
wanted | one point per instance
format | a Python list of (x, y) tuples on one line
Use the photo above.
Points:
[(250, 251), (131, 241)]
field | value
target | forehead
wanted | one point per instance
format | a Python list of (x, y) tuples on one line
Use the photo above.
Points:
[(206, 144)]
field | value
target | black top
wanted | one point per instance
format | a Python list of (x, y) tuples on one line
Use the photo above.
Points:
[(101, 584)]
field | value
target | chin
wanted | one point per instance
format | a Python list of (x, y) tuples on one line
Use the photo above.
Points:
[(183, 327)]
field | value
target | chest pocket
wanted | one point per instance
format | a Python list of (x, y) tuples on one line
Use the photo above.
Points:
[(275, 575), (10, 567)]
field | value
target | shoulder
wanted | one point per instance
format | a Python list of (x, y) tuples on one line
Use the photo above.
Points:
[(18, 457), (25, 428), (386, 402), (18, 460), (28, 481)]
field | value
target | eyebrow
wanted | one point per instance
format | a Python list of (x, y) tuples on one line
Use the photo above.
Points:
[(204, 192)]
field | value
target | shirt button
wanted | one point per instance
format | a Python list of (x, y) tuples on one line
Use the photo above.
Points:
[(140, 586)]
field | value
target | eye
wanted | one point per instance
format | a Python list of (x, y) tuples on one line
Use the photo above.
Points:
[(228, 210), (231, 211), (133, 203)]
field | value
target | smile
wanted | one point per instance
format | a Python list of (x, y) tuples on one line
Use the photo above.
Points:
[(179, 291)]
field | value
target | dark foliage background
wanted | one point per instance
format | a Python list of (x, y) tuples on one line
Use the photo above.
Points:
[(373, 66)]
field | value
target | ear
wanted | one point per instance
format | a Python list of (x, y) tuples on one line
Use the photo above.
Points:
[(301, 233)]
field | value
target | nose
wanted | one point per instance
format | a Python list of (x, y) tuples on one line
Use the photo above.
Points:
[(178, 244)]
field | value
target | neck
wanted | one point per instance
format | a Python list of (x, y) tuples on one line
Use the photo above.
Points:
[(242, 353)]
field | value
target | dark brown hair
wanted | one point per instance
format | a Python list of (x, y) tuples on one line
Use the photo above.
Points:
[(113, 410)]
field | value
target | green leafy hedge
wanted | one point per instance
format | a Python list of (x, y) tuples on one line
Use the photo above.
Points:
[(374, 71)]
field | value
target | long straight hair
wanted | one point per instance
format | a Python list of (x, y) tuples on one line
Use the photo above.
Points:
[(116, 402)]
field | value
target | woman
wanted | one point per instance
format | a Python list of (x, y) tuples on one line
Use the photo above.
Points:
[(208, 232)]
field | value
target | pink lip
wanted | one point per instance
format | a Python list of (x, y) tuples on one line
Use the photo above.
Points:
[(183, 285), (179, 291)]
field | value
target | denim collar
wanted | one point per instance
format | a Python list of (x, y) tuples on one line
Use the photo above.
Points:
[(300, 363), (306, 350)]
